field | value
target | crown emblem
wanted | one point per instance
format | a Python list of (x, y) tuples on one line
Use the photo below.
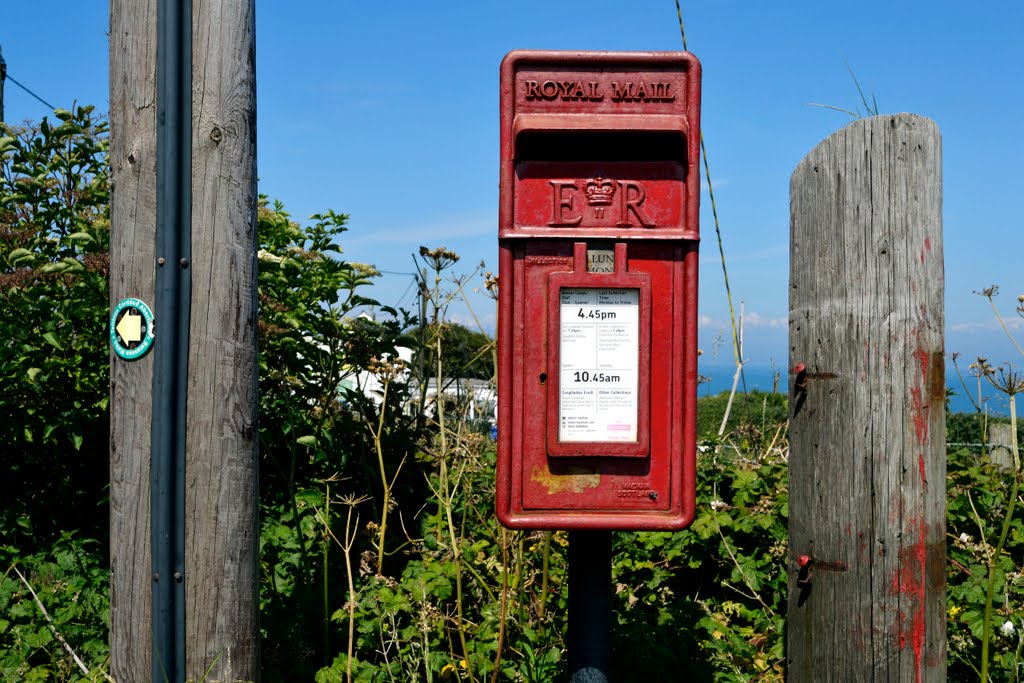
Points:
[(599, 191)]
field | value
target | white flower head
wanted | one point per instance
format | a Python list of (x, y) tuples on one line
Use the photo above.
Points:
[(1007, 628)]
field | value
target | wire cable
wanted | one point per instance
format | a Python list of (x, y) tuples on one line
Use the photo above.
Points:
[(12, 80), (406, 292), (737, 342)]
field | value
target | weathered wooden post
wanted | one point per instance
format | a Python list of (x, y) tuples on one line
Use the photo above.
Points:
[(218, 492), (867, 431), (1000, 444)]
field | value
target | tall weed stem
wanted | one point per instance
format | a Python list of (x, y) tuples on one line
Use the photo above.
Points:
[(1011, 383), (1011, 505), (324, 546), (377, 442), (545, 563), (503, 609)]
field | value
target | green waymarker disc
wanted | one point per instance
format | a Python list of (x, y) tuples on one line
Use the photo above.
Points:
[(131, 329)]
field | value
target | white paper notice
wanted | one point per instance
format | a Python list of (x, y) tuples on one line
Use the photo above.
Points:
[(598, 374)]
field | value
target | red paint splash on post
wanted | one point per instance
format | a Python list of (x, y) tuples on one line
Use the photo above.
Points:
[(927, 248), (919, 409), (922, 357), (909, 582)]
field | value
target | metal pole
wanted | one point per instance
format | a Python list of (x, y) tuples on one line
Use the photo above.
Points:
[(172, 303), (590, 605), (3, 77), (421, 282)]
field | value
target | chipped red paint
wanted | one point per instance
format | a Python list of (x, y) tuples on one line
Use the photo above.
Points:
[(909, 579), (909, 582), (919, 409), (922, 357)]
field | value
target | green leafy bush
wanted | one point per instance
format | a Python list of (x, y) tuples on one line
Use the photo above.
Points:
[(319, 431), (976, 509), (70, 582), (54, 236), (709, 603)]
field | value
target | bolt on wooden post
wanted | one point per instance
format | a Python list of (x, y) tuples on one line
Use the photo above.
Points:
[(867, 419)]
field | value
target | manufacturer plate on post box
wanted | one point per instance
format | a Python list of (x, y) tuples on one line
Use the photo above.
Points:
[(597, 312)]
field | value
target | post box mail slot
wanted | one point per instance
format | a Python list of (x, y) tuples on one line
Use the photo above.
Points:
[(598, 236)]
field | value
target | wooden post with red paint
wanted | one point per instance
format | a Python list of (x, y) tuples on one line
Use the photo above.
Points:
[(867, 420)]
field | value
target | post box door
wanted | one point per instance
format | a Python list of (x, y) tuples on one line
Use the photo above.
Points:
[(607, 474)]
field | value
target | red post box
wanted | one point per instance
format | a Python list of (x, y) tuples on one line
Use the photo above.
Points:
[(597, 322)]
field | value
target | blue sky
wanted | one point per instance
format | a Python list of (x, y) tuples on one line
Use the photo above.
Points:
[(389, 112)]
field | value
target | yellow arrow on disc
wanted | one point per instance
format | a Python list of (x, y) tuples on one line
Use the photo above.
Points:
[(130, 327)]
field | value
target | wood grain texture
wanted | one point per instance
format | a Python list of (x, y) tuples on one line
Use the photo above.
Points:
[(867, 458), (132, 273), (221, 504), (1000, 444), (221, 576)]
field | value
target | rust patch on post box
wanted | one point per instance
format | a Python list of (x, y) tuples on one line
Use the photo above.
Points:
[(573, 482)]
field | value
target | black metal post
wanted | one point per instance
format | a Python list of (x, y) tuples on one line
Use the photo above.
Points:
[(173, 295), (3, 77), (590, 605)]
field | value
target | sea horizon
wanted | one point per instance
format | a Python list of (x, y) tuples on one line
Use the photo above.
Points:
[(762, 378)]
